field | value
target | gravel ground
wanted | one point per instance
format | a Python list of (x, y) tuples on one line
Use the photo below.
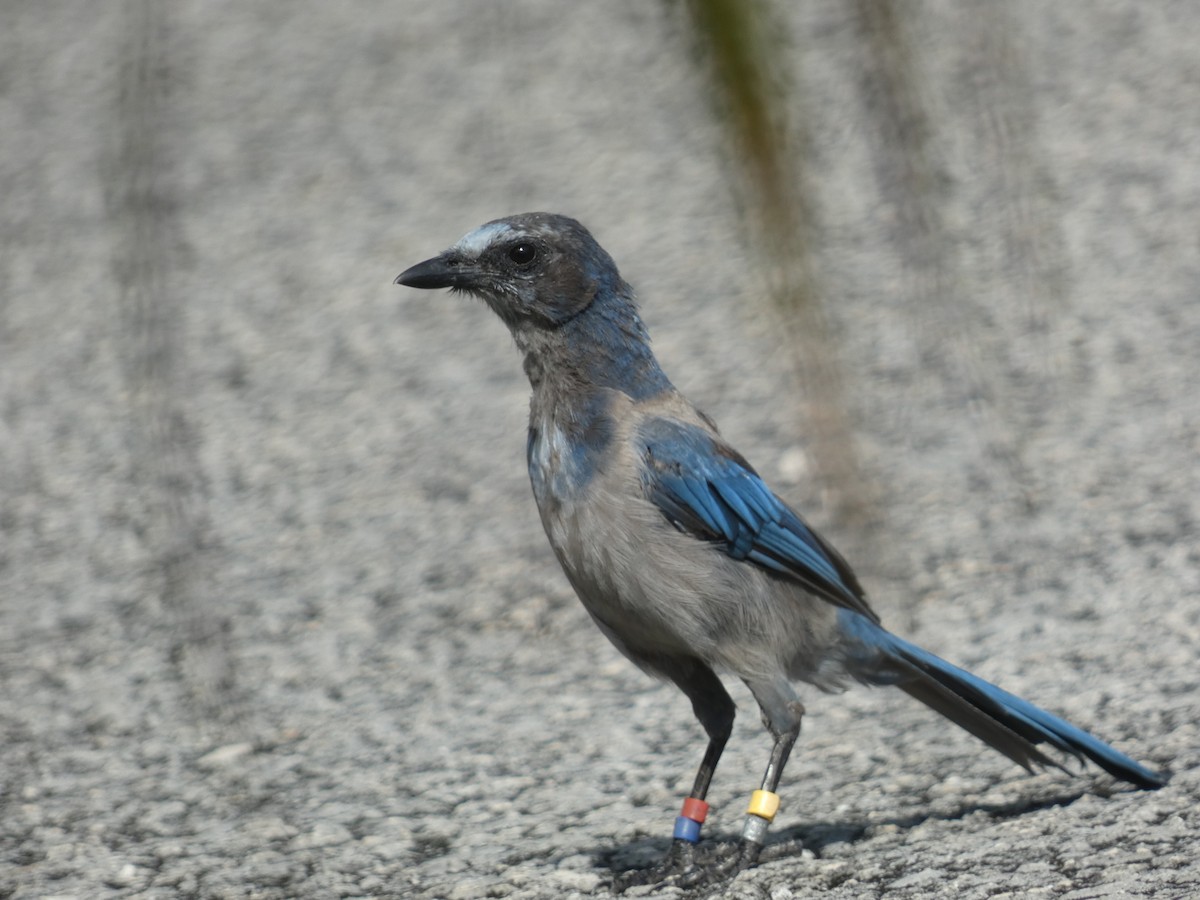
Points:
[(277, 619)]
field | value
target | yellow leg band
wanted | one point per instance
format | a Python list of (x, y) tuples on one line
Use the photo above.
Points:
[(764, 804)]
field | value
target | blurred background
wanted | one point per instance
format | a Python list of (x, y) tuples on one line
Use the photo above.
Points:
[(277, 618)]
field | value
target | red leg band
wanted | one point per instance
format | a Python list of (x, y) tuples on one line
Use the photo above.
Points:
[(696, 810)]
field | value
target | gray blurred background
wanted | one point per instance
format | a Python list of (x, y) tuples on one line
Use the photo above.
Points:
[(277, 618)]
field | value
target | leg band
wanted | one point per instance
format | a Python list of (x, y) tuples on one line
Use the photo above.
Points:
[(759, 816), (696, 810), (687, 824), (687, 829), (764, 804), (754, 829)]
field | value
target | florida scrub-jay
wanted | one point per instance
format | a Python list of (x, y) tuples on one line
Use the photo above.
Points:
[(682, 555)]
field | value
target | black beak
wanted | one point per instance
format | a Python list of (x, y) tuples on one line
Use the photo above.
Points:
[(439, 272)]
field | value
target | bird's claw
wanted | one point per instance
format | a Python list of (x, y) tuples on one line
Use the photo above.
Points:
[(679, 862), (684, 867)]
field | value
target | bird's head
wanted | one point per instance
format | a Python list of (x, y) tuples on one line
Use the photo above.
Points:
[(535, 270), (560, 295)]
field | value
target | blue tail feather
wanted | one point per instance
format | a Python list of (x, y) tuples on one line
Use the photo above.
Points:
[(1006, 722)]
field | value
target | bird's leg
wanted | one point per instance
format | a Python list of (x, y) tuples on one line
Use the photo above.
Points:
[(715, 709), (679, 865), (764, 803), (682, 855)]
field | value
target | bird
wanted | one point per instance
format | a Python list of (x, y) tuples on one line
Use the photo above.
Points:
[(680, 552)]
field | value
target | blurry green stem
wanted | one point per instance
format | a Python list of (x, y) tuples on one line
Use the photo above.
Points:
[(742, 60)]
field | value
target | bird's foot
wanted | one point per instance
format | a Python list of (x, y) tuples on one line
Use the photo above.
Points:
[(736, 858), (679, 861), (687, 867)]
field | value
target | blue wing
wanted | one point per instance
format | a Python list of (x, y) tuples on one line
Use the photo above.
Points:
[(706, 489)]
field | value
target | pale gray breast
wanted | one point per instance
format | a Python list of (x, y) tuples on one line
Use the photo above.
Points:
[(653, 589)]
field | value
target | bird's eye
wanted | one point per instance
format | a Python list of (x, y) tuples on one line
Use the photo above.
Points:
[(522, 254)]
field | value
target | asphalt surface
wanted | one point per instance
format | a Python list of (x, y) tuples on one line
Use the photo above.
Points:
[(277, 619)]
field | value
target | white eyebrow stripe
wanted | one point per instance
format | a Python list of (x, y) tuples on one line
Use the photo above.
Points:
[(475, 242)]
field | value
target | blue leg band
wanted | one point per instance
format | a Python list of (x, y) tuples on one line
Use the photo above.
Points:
[(687, 829)]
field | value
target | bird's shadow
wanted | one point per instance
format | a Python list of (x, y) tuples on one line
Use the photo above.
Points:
[(815, 837)]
